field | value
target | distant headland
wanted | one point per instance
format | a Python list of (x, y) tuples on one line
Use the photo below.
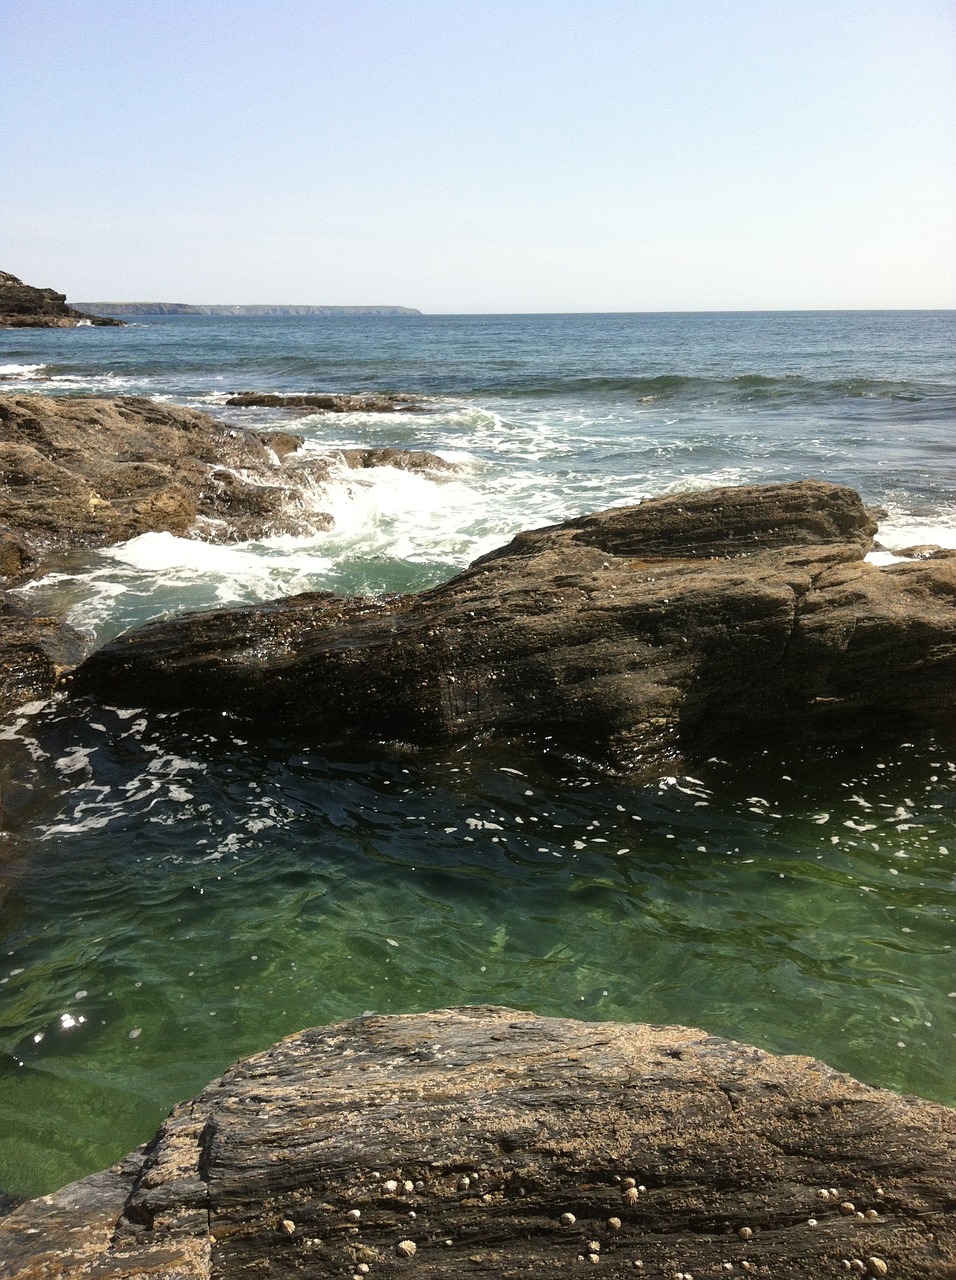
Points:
[(23, 306), (255, 309)]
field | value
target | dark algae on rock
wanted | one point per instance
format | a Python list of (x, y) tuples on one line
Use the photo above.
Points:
[(494, 1143), (644, 635)]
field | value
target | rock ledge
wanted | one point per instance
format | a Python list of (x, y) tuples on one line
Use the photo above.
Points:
[(493, 1143)]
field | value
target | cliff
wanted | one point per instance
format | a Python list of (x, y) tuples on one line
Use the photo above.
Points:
[(250, 309), (24, 307)]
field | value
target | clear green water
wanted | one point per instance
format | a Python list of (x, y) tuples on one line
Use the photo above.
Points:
[(178, 896)]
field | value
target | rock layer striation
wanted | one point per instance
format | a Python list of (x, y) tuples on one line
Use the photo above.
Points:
[(491, 1143), (83, 472), (646, 634)]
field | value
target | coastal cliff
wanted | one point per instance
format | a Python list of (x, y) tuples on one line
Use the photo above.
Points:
[(22, 306), (133, 309), (493, 1143)]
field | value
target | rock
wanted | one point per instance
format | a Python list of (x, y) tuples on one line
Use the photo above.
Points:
[(277, 1167), (282, 443), (84, 472), (24, 307), (330, 402), (17, 557), (34, 655), (88, 472), (402, 459), (927, 551), (647, 634)]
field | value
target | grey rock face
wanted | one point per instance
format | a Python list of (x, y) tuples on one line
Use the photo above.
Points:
[(646, 634), (493, 1143)]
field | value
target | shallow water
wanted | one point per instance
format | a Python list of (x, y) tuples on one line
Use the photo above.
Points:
[(179, 891)]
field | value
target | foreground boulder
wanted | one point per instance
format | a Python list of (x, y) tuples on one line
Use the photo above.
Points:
[(24, 307), (647, 633), (485, 1142)]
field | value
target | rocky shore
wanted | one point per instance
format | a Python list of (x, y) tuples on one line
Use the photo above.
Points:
[(647, 636), (493, 1143), (22, 306), (82, 472)]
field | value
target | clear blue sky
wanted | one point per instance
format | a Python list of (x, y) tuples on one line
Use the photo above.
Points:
[(482, 155)]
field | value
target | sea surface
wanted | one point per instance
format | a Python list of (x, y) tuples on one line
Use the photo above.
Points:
[(178, 890)]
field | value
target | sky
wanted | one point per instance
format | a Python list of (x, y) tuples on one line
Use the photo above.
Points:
[(482, 155)]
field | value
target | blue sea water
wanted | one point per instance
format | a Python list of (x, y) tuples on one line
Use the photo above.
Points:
[(180, 890)]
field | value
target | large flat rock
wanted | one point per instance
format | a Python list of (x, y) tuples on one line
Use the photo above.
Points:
[(501, 1144), (647, 634)]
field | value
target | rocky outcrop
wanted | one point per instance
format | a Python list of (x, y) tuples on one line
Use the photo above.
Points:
[(490, 1143), (82, 472), (88, 472), (34, 654), (331, 402), (647, 634), (24, 307)]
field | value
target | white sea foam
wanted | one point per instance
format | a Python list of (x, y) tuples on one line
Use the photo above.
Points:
[(20, 370), (900, 531)]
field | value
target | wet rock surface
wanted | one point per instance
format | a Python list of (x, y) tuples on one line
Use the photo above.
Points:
[(88, 472), (84, 472), (330, 402), (648, 635), (24, 307), (489, 1142)]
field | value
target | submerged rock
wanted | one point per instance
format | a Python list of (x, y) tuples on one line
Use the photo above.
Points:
[(24, 307), (647, 634), (494, 1143)]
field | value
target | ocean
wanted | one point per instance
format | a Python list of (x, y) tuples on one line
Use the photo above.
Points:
[(178, 890)]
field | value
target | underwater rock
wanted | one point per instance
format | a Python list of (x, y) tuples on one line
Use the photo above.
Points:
[(495, 1143), (645, 635), (24, 307)]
